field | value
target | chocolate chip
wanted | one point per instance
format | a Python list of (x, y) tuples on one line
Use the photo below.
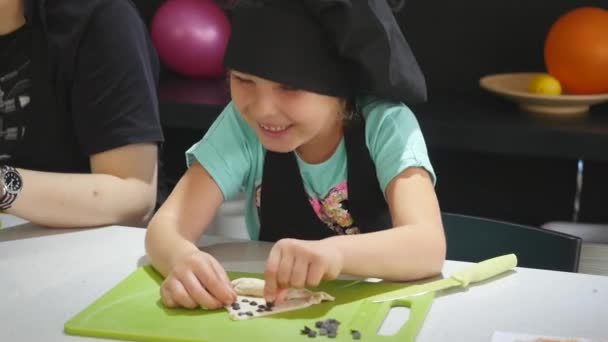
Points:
[(259, 310), (262, 306), (356, 334), (305, 330), (253, 303), (267, 309), (241, 313), (249, 313), (270, 304), (332, 334), (322, 331), (312, 333), (245, 300), (319, 324)]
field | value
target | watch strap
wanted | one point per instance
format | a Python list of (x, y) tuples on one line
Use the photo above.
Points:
[(8, 198)]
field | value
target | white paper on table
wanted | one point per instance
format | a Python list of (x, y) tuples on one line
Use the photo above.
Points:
[(503, 336)]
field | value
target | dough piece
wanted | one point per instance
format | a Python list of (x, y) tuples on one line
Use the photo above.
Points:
[(251, 303)]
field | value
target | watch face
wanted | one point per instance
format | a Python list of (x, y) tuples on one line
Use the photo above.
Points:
[(12, 180)]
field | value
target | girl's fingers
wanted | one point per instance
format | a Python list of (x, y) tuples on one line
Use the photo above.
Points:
[(281, 296), (198, 293), (167, 299), (285, 269), (299, 273), (220, 287), (180, 295), (270, 275), (316, 271)]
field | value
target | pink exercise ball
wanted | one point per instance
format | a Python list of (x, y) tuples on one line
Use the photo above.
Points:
[(191, 37)]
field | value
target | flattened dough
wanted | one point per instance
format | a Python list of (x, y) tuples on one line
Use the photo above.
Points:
[(250, 290)]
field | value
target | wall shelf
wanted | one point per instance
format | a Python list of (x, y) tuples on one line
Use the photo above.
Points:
[(475, 122)]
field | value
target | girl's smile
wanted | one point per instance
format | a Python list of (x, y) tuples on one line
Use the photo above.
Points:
[(287, 119)]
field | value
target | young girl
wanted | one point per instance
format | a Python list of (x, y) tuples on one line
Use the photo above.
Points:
[(333, 164)]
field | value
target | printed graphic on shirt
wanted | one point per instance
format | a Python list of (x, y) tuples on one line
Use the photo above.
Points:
[(14, 98), (331, 209)]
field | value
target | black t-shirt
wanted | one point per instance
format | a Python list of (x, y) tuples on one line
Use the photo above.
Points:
[(14, 89), (92, 74)]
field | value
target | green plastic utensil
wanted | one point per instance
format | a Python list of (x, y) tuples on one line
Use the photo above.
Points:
[(472, 274), (132, 310)]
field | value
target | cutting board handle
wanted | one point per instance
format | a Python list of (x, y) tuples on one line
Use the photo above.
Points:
[(371, 316)]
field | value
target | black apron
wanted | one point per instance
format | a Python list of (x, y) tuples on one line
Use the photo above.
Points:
[(285, 211)]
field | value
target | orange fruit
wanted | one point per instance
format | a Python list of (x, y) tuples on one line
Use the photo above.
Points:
[(576, 51)]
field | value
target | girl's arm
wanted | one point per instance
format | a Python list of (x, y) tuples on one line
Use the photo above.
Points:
[(180, 222), (192, 278), (415, 248)]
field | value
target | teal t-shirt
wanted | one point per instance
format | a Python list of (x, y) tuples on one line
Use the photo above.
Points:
[(234, 157)]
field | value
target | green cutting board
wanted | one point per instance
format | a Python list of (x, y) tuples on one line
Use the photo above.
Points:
[(132, 310)]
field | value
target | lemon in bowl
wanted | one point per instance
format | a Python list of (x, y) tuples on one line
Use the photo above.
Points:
[(545, 84)]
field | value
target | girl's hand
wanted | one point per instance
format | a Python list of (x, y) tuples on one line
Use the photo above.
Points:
[(197, 280), (299, 264)]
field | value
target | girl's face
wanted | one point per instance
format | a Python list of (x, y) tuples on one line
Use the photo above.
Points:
[(287, 119)]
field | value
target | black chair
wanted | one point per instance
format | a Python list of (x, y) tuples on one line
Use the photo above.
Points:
[(475, 239)]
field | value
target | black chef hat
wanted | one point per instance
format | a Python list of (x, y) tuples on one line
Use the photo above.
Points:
[(334, 47)]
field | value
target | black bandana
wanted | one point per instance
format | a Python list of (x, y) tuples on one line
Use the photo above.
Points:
[(334, 47)]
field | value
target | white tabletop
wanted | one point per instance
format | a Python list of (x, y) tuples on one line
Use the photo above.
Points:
[(48, 276)]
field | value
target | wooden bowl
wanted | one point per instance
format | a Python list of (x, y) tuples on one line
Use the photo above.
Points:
[(514, 86)]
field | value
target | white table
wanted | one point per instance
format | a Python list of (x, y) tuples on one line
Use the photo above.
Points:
[(47, 276)]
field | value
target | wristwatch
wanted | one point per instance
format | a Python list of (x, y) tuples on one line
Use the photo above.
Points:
[(11, 181)]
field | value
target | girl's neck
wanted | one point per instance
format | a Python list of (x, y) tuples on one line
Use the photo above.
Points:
[(11, 16), (323, 146)]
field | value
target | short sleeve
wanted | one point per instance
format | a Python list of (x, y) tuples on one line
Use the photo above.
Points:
[(225, 152), (114, 91), (395, 141)]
